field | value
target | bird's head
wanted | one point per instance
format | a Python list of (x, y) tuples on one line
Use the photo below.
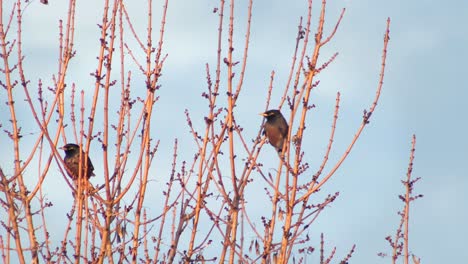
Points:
[(271, 114), (71, 149)]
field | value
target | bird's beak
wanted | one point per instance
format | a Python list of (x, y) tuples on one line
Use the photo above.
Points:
[(63, 147), (262, 114)]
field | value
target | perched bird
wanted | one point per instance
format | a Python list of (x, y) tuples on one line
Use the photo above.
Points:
[(275, 128), (72, 156)]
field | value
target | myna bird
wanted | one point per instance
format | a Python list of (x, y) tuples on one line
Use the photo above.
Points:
[(72, 157), (275, 128)]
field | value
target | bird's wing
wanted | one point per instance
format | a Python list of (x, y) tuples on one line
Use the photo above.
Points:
[(284, 130), (90, 167)]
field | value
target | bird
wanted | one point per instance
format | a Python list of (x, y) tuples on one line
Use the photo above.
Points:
[(72, 157), (275, 128)]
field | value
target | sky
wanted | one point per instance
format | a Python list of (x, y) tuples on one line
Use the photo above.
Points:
[(424, 93)]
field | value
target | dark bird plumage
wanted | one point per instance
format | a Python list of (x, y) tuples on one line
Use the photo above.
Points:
[(275, 128), (72, 156)]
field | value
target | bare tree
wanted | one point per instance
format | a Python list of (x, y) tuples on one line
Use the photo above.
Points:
[(205, 214), (400, 242)]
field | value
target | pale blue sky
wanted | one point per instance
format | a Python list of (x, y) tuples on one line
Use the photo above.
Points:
[(424, 92)]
